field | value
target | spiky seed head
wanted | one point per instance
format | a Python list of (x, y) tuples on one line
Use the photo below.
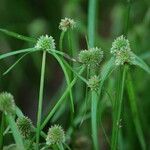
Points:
[(25, 126), (7, 103), (122, 51), (93, 83), (55, 135), (45, 43), (67, 23), (92, 57)]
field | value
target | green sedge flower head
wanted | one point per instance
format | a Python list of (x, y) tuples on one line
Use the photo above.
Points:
[(92, 57), (7, 103), (55, 135), (25, 126), (93, 83), (122, 51), (45, 43), (67, 23)]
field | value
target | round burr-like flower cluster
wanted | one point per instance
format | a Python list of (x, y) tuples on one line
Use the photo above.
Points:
[(122, 51), (93, 83), (45, 43), (55, 135), (67, 23), (92, 57), (25, 126), (7, 103)]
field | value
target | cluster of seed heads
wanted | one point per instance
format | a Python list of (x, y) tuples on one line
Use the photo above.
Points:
[(25, 126), (122, 51), (55, 135), (91, 57), (7, 103), (67, 23), (93, 83), (45, 43)]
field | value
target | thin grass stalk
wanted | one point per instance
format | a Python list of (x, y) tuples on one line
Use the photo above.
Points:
[(60, 101), (91, 22), (118, 108), (1, 131), (61, 41), (17, 137), (94, 103), (134, 110), (40, 99)]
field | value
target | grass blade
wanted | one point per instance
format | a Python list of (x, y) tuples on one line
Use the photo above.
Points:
[(139, 62), (60, 101), (17, 36), (2, 130), (16, 134), (14, 64), (118, 108), (67, 79), (2, 56), (134, 110)]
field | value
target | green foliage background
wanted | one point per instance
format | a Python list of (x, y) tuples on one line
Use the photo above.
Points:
[(37, 17)]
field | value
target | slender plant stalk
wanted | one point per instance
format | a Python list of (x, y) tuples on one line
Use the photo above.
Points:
[(91, 22), (118, 108), (61, 41), (40, 99), (1, 131), (94, 103), (134, 110), (15, 132), (60, 101)]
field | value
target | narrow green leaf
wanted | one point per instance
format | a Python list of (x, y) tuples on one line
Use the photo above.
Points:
[(139, 62), (14, 64), (134, 110), (16, 134), (2, 56), (60, 101), (66, 77), (17, 36)]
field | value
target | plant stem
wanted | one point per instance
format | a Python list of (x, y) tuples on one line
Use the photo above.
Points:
[(52, 112), (1, 131), (91, 22), (134, 110), (61, 41), (40, 99), (94, 103), (16, 134), (117, 108)]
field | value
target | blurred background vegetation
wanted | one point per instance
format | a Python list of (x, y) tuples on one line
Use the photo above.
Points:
[(37, 17)]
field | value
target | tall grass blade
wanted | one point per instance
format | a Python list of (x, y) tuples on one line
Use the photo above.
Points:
[(134, 110), (60, 101), (139, 62), (17, 36), (118, 108), (15, 132), (2, 56)]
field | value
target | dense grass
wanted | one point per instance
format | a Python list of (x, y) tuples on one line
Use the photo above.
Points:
[(97, 104)]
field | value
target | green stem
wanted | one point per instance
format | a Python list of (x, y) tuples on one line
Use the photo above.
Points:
[(134, 110), (91, 22), (60, 146), (94, 119), (127, 17), (1, 131), (40, 99), (61, 41), (118, 108), (60, 101), (16, 134)]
